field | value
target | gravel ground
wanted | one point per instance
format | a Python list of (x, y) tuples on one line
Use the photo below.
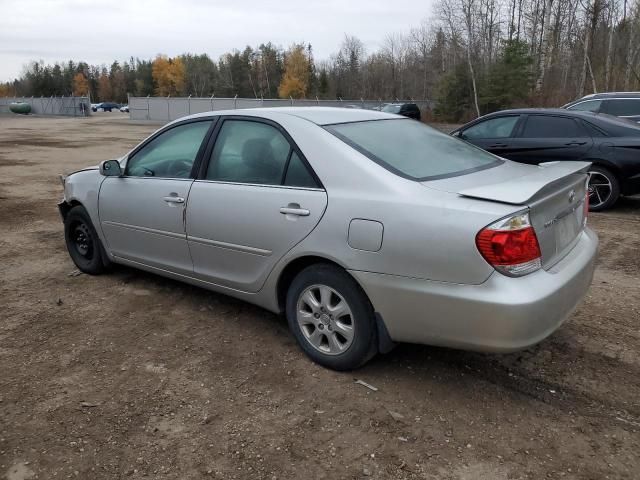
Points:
[(130, 375)]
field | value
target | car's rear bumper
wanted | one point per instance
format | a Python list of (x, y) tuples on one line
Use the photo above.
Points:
[(501, 314)]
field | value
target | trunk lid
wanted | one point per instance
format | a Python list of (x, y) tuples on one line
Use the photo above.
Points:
[(553, 192)]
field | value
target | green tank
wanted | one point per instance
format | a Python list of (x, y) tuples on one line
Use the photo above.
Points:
[(20, 107)]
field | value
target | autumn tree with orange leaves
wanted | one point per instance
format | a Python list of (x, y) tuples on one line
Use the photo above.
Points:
[(168, 75), (80, 84), (295, 81)]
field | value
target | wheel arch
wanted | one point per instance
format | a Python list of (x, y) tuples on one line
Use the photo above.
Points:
[(66, 206), (294, 267), (384, 342), (606, 164)]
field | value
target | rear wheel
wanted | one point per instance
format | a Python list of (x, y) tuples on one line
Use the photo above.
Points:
[(331, 317), (82, 241), (604, 189)]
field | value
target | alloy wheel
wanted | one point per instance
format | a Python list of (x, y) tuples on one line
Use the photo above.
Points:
[(600, 189), (325, 319)]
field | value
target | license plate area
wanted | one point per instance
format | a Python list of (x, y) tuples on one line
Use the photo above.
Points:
[(567, 229)]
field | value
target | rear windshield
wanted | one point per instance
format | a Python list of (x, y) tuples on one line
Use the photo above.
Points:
[(391, 108), (413, 150)]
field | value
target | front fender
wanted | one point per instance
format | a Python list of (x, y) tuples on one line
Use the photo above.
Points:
[(82, 188)]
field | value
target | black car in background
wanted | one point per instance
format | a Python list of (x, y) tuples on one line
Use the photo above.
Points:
[(620, 104), (535, 136), (410, 110), (106, 106)]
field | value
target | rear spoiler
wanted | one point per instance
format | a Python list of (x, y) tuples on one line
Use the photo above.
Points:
[(521, 190)]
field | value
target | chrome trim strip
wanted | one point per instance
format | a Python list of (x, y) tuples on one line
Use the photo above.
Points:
[(230, 246), (181, 236), (286, 187)]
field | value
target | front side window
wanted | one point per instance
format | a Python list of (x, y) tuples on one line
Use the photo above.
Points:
[(412, 149), (171, 154), (623, 107), (500, 127), (543, 126), (588, 106)]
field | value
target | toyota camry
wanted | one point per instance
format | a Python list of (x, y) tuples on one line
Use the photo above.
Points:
[(364, 228)]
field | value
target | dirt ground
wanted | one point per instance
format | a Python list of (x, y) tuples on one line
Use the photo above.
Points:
[(130, 375)]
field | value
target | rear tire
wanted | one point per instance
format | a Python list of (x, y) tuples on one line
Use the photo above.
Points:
[(331, 317), (83, 243), (604, 189)]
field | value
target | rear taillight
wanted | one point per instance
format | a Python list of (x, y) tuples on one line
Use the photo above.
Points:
[(510, 245)]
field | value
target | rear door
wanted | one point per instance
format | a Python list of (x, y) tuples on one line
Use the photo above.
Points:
[(549, 138), (255, 198), (494, 134)]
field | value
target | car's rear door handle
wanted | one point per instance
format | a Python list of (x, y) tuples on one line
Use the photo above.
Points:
[(574, 143), (294, 209), (172, 199), (498, 145)]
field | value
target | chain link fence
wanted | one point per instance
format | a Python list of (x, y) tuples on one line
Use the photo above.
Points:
[(69, 106), (170, 108)]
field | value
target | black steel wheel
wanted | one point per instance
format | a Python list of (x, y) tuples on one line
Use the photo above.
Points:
[(83, 242)]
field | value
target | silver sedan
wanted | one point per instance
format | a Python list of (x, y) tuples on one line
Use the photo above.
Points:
[(364, 228)]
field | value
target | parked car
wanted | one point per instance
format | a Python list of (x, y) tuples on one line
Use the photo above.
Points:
[(534, 136), (620, 104), (124, 109), (410, 110), (365, 228), (105, 106)]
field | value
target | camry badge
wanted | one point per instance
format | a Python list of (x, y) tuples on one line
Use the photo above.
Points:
[(572, 196)]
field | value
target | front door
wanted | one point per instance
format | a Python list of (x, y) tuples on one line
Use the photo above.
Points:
[(256, 200), (142, 212), (493, 134)]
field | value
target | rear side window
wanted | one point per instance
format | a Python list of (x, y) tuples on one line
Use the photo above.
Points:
[(588, 106), (413, 150), (500, 127), (543, 126), (298, 174), (248, 152), (593, 130), (622, 107), (256, 153)]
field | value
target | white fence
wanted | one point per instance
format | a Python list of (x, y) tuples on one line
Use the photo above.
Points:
[(71, 106), (169, 108)]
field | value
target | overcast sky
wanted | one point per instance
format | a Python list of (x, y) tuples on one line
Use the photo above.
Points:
[(99, 31)]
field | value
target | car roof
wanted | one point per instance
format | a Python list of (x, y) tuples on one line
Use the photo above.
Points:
[(611, 94), (552, 111), (317, 115), (600, 119)]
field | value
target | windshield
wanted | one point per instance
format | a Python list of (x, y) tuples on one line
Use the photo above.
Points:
[(413, 150), (391, 108)]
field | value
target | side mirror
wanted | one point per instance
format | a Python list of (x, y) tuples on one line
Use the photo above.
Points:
[(110, 168)]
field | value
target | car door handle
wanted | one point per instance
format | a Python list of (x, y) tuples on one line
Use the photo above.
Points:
[(172, 199), (498, 145), (290, 210), (570, 144)]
